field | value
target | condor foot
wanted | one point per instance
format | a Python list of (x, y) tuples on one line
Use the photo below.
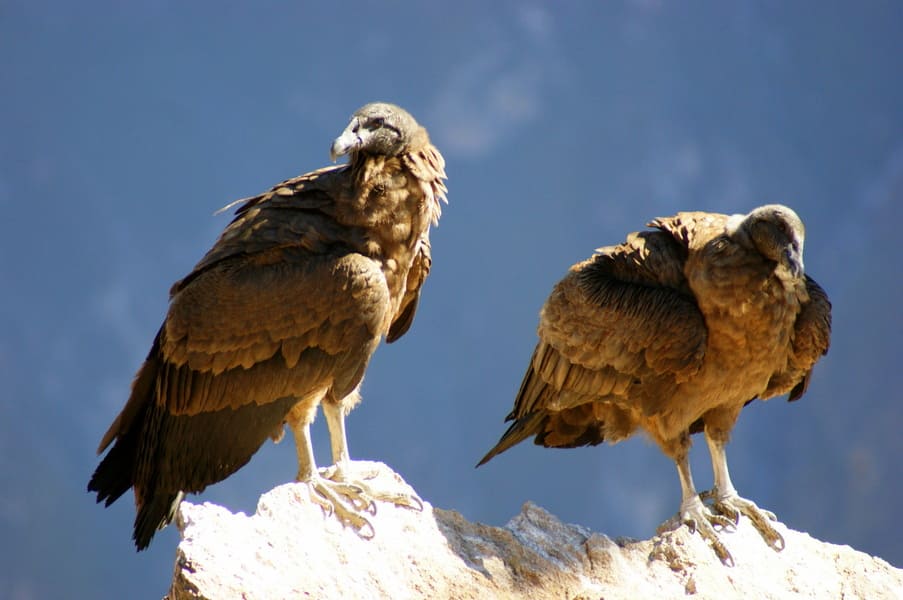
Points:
[(347, 501), (732, 506), (697, 516), (341, 490), (356, 474)]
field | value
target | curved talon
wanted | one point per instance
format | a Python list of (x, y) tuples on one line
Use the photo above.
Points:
[(734, 504), (355, 494), (777, 543), (725, 523), (702, 521), (728, 511), (691, 525), (349, 500), (340, 473), (335, 497), (403, 500), (724, 510), (327, 507), (715, 521), (723, 554), (707, 531), (367, 525), (356, 521)]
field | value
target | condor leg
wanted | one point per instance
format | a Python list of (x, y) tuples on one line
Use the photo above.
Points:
[(693, 513), (728, 502), (345, 470)]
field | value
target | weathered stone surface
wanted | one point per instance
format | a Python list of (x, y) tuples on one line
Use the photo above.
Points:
[(289, 549)]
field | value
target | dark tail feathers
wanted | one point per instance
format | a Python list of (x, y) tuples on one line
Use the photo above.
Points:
[(153, 516), (113, 476), (520, 430)]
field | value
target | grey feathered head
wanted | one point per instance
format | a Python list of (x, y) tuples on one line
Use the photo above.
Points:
[(777, 233), (378, 128)]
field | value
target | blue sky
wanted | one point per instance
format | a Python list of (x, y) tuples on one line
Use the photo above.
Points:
[(124, 125)]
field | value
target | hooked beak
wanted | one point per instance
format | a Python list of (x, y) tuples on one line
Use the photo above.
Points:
[(794, 261), (345, 143)]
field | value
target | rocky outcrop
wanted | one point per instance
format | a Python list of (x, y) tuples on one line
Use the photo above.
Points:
[(289, 549)]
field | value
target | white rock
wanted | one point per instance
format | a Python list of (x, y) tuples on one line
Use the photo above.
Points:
[(290, 549)]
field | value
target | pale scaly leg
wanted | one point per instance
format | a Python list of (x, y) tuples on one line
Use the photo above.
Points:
[(341, 471), (696, 515), (328, 494), (729, 503)]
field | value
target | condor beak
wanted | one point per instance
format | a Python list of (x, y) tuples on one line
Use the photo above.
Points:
[(345, 143), (794, 260)]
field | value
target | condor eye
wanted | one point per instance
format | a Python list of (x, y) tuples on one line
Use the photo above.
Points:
[(376, 123)]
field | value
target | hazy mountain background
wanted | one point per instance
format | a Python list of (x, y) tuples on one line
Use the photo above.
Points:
[(124, 125)]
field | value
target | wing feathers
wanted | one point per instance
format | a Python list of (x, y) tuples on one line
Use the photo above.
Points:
[(811, 340), (600, 333), (623, 316), (418, 273)]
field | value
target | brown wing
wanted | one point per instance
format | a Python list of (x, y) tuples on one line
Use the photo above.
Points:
[(420, 269), (299, 212), (262, 313), (811, 339), (622, 318), (251, 331), (278, 310), (691, 229), (281, 279)]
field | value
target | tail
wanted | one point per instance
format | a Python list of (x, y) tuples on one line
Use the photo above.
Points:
[(520, 430), (114, 476), (155, 514), (116, 472)]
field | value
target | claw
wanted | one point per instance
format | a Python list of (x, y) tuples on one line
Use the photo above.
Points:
[(348, 500), (340, 474), (700, 520), (404, 500), (356, 495), (317, 499), (371, 508), (735, 505), (366, 526), (728, 511), (335, 497), (415, 499)]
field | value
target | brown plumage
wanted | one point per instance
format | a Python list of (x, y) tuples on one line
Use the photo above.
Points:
[(673, 332), (281, 315)]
